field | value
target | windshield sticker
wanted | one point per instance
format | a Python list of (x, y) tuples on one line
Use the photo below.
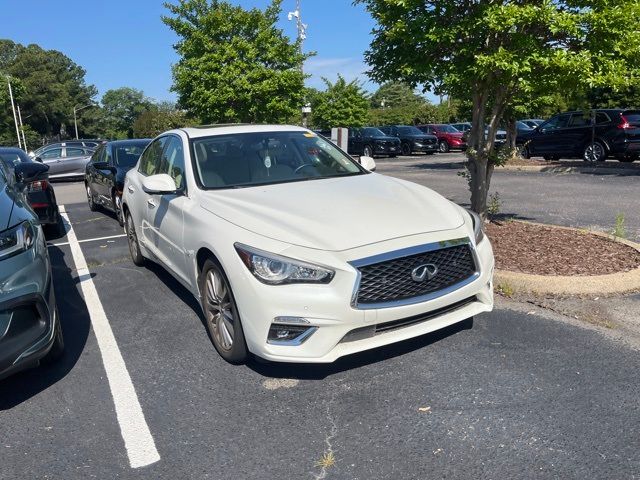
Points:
[(267, 161)]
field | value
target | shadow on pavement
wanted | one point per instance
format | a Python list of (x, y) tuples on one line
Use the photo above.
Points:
[(75, 322)]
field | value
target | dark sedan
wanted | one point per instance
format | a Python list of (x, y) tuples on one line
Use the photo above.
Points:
[(105, 172), (412, 139), (40, 192), (30, 330), (369, 141)]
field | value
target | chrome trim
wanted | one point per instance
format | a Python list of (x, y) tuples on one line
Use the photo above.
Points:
[(407, 252), (294, 342), (289, 320)]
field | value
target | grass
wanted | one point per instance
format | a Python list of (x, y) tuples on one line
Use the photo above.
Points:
[(328, 460), (620, 229), (505, 289)]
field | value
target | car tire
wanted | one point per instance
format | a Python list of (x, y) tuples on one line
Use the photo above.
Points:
[(523, 151), (367, 151), (134, 245), (117, 208), (221, 313), (393, 155), (405, 148), (596, 154), (93, 206), (55, 230), (57, 349), (443, 147)]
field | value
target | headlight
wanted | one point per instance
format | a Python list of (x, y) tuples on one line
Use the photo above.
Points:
[(274, 269), (478, 229), (16, 240)]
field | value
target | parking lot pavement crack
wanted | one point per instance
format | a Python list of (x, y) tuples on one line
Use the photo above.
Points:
[(328, 457)]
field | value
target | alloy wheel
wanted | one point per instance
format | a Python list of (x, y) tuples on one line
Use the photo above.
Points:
[(219, 310), (367, 151), (594, 153), (443, 147), (90, 201)]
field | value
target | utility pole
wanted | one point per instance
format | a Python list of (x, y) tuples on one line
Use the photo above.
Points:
[(75, 119), (24, 140), (302, 36), (13, 108)]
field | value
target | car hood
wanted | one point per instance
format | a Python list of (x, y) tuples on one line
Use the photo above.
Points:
[(386, 139), (426, 136), (335, 214)]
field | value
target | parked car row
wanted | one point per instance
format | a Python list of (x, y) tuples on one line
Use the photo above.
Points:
[(277, 280), (66, 159)]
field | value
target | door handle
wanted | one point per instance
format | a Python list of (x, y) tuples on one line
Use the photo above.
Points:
[(131, 189), (151, 203)]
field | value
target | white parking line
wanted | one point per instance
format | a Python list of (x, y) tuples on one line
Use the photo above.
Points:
[(87, 240), (138, 441)]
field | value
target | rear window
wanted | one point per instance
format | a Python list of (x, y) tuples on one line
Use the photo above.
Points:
[(632, 116), (127, 155)]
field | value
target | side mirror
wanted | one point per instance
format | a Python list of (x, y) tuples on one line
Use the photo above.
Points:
[(37, 159), (368, 163), (159, 184), (28, 172), (104, 166)]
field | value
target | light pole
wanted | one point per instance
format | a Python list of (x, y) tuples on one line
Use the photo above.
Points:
[(75, 120), (13, 108), (302, 36)]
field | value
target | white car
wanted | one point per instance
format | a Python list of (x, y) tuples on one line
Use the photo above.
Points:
[(295, 251)]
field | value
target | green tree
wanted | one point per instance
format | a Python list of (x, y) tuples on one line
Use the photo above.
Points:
[(153, 122), (121, 107), (492, 51), (341, 104), (396, 95), (53, 85), (235, 64)]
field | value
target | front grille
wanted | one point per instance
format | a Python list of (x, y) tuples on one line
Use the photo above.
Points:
[(391, 280)]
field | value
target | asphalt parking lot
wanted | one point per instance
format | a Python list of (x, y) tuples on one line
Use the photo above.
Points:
[(519, 395)]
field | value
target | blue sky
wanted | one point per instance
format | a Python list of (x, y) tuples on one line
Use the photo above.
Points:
[(124, 43)]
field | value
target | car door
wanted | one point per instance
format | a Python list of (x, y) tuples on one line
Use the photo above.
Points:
[(547, 139), (104, 177), (53, 157), (575, 136), (163, 217), (355, 145), (74, 160)]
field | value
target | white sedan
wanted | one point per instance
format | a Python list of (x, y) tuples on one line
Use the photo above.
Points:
[(295, 251)]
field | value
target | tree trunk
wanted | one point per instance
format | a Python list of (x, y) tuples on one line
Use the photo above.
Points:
[(512, 132)]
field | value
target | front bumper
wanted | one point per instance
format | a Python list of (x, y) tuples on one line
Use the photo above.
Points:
[(381, 149), (340, 325), (27, 309), (424, 147)]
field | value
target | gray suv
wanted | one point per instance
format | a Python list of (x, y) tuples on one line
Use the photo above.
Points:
[(30, 329)]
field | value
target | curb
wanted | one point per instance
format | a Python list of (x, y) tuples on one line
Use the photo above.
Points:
[(561, 169), (610, 284)]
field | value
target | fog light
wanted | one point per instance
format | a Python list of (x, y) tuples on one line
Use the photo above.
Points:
[(282, 334)]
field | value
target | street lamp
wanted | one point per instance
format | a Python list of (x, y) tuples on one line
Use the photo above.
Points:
[(75, 120)]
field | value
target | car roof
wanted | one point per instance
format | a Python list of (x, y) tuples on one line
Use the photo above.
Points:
[(129, 141), (10, 150), (211, 130)]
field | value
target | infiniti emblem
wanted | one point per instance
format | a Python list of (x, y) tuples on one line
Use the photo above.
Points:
[(424, 272)]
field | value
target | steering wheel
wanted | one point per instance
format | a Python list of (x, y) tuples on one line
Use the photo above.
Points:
[(303, 166)]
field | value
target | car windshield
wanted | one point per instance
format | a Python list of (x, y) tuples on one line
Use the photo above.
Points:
[(373, 132), (127, 155), (259, 158), (410, 131)]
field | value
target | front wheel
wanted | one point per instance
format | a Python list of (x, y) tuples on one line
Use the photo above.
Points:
[(523, 151), (92, 204), (116, 200), (368, 152), (134, 246), (221, 314), (406, 149), (594, 152), (444, 146)]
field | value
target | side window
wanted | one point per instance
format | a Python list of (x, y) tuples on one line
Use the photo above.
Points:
[(172, 161), (601, 118), (53, 153), (74, 152), (150, 160), (107, 155), (555, 123), (578, 120)]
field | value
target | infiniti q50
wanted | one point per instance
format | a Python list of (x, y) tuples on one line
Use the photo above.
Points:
[(296, 252)]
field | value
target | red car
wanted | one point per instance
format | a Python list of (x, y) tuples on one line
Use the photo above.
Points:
[(448, 137)]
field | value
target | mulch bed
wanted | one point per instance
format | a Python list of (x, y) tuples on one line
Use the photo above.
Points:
[(526, 248)]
